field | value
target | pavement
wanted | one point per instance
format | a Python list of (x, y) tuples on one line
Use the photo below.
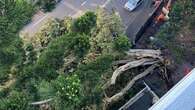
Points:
[(73, 8), (132, 21)]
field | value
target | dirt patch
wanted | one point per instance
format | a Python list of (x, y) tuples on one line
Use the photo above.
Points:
[(185, 40)]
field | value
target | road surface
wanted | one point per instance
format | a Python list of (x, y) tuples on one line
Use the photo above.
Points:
[(133, 21), (73, 8)]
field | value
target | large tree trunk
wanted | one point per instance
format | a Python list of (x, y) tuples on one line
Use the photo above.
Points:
[(119, 95), (145, 53), (130, 65)]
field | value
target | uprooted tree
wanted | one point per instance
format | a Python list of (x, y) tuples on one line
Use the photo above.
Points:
[(139, 57)]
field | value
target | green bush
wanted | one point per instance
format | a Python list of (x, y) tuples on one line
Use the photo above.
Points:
[(122, 43), (85, 22), (52, 56), (80, 44), (91, 79), (68, 90), (15, 15), (30, 54), (46, 5), (45, 90), (15, 101)]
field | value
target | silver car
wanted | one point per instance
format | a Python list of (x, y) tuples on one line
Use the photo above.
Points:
[(132, 4)]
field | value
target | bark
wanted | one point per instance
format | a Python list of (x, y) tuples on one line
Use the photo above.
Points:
[(42, 102), (145, 53), (130, 65), (121, 62), (119, 95)]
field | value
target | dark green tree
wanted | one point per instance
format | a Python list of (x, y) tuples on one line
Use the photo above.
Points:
[(122, 43), (80, 44), (46, 5), (14, 14), (68, 91), (85, 22), (15, 101)]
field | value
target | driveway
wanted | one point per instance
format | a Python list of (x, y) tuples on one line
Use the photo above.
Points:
[(73, 8)]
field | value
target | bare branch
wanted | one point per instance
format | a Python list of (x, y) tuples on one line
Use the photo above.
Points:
[(117, 96), (130, 65), (145, 53)]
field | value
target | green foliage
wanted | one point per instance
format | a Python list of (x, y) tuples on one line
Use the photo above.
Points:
[(45, 90), (50, 60), (112, 22), (30, 54), (91, 79), (67, 24), (80, 44), (181, 9), (37, 73), (68, 90), (53, 56), (122, 43), (108, 27), (49, 31), (85, 22), (181, 15), (46, 5), (15, 101), (14, 14)]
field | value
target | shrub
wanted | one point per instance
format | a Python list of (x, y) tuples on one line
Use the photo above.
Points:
[(68, 90), (80, 44), (15, 101), (85, 22), (91, 79), (122, 43), (46, 5)]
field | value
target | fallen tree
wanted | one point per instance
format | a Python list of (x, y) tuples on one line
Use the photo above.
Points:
[(119, 95), (43, 105), (130, 65), (145, 53)]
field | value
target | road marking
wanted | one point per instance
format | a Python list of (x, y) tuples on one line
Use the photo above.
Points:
[(106, 3), (84, 3), (70, 6), (40, 20)]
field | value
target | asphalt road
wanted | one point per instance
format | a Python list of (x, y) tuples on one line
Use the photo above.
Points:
[(129, 17), (73, 8), (133, 21)]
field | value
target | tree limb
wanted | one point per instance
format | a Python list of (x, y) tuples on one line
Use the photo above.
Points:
[(117, 96), (143, 53), (41, 102), (130, 65)]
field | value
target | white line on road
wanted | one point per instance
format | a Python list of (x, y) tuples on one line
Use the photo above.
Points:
[(71, 6), (40, 20), (84, 3), (106, 3)]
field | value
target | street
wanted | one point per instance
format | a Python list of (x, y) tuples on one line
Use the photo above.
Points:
[(73, 8), (132, 21)]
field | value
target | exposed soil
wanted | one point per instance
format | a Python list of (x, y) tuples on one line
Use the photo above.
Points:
[(185, 39)]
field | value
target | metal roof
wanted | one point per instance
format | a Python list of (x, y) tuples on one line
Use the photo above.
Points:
[(180, 97)]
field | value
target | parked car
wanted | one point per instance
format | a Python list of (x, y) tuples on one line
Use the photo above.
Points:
[(132, 4)]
